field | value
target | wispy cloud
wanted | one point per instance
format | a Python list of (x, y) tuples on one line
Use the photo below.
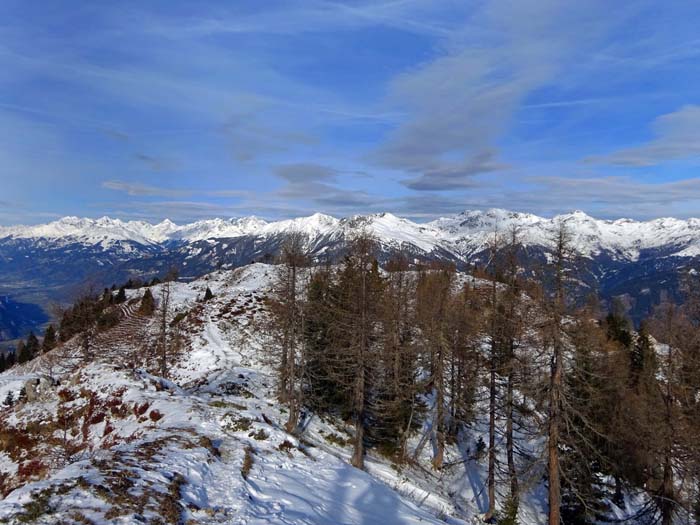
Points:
[(318, 184), (136, 189), (460, 105), (236, 108), (677, 137)]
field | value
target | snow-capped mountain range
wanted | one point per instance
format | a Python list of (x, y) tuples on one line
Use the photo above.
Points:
[(643, 262), (462, 235)]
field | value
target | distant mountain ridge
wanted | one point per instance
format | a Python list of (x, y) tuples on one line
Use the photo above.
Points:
[(463, 234), (641, 262)]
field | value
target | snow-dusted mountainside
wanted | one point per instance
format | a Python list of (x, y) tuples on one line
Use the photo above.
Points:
[(624, 239), (641, 261), (462, 235), (105, 441)]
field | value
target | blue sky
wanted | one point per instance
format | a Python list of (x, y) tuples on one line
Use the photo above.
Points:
[(188, 110)]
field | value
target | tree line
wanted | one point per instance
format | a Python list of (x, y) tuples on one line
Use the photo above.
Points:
[(405, 347)]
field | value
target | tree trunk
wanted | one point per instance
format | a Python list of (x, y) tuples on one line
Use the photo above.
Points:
[(492, 440), (439, 408), (667, 496), (293, 420), (491, 482), (164, 308), (553, 438), (358, 455), (512, 473)]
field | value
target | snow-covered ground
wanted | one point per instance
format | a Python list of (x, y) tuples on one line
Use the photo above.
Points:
[(112, 443), (106, 441)]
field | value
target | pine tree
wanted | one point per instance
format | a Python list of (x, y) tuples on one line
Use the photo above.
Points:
[(3, 363), (121, 295), (9, 399), (208, 295), (148, 303), (642, 365), (465, 314), (107, 298), (23, 354), (49, 342), (318, 308), (32, 347), (396, 405), (354, 332), (433, 295)]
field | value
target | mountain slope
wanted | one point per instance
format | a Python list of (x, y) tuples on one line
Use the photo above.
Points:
[(465, 233), (143, 449), (107, 441)]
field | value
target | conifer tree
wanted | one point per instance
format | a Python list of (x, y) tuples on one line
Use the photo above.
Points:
[(148, 303), (588, 404), (465, 337), (512, 326), (121, 295), (318, 308), (23, 354), (555, 307), (164, 341), (107, 298), (674, 444), (287, 311), (49, 342), (642, 362), (354, 333), (396, 404), (433, 296), (495, 247), (208, 295), (32, 347)]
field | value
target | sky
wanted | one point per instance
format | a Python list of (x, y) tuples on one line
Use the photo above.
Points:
[(190, 110)]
